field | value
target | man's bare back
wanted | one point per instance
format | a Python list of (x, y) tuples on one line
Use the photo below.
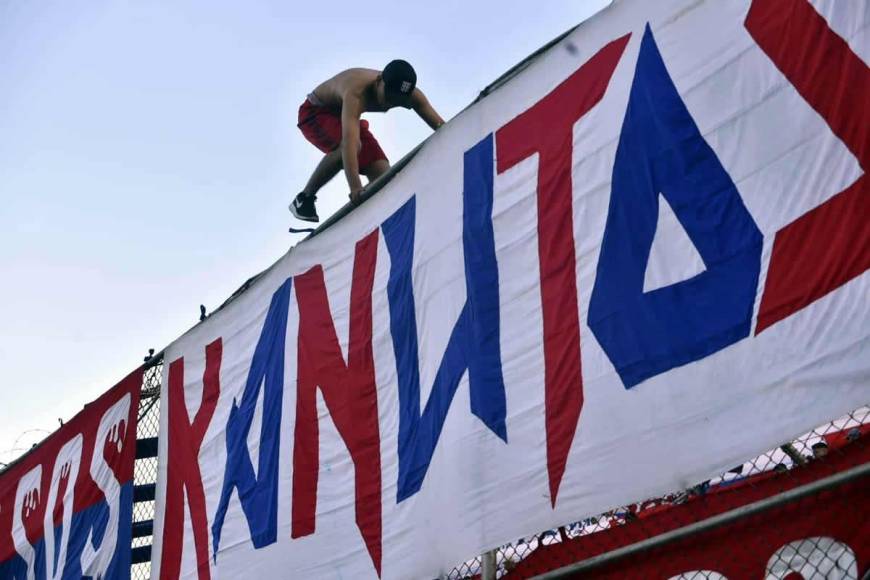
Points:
[(330, 120), (357, 84)]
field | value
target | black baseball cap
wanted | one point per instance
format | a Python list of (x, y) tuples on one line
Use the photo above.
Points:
[(399, 82)]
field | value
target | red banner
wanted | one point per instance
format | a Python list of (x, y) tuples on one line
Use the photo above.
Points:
[(826, 534), (66, 507)]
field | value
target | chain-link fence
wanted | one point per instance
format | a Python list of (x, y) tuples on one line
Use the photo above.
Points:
[(799, 511), (145, 472)]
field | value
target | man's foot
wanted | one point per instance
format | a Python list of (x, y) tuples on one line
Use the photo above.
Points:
[(303, 207)]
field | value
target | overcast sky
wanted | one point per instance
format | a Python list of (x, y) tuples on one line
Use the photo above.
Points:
[(148, 150)]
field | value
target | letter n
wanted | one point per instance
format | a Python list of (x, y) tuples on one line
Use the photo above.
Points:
[(258, 493), (349, 392), (474, 343)]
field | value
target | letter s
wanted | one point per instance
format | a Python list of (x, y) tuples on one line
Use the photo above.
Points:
[(111, 432)]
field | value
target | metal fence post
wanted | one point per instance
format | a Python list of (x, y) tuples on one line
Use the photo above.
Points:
[(489, 565)]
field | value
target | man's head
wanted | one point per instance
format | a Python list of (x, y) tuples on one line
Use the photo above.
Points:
[(397, 82), (820, 449)]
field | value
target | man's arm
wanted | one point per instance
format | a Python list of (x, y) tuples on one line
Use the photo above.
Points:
[(421, 105), (351, 110)]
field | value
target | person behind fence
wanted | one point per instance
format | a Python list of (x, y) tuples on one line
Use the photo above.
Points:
[(819, 450), (330, 119)]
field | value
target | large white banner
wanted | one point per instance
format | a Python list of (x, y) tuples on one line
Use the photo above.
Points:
[(640, 261)]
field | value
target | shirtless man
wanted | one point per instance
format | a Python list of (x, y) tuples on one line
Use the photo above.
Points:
[(330, 119)]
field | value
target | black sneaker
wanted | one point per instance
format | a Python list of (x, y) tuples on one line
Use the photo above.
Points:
[(303, 208)]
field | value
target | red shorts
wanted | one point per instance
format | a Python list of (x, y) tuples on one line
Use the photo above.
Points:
[(322, 127)]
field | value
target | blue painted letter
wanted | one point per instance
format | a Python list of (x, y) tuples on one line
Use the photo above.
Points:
[(474, 342), (258, 493), (662, 151)]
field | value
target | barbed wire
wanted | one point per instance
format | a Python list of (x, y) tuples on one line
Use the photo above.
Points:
[(17, 450)]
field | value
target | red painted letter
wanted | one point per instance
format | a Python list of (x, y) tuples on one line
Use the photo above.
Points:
[(349, 392), (182, 471), (547, 129), (829, 245)]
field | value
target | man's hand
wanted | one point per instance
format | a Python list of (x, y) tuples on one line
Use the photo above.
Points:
[(356, 195)]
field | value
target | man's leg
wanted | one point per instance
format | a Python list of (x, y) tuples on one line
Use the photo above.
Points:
[(376, 169), (371, 158), (328, 167), (303, 206)]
